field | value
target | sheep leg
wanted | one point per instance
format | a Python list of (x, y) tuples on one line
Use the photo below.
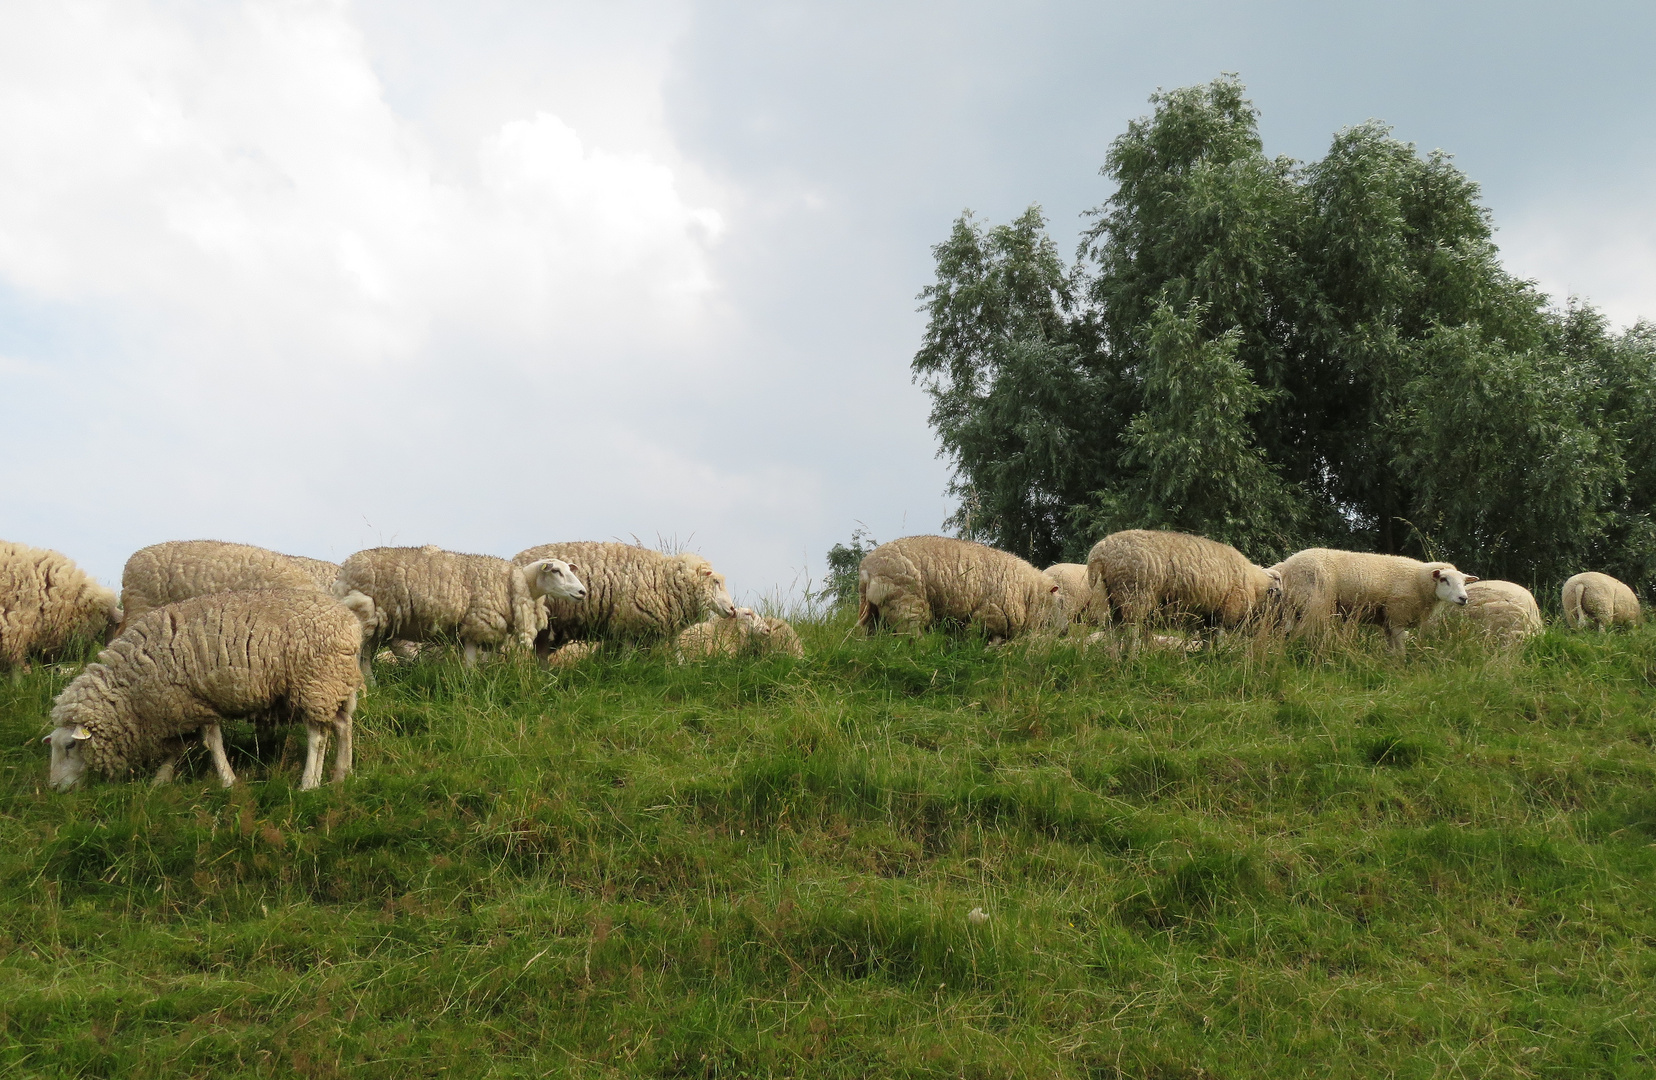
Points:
[(471, 654), (169, 764), (213, 739), (366, 661), (316, 744), (342, 731)]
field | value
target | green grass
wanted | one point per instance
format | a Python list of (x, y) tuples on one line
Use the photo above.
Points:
[(1257, 861)]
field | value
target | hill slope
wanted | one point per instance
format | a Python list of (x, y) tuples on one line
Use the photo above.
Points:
[(1254, 862)]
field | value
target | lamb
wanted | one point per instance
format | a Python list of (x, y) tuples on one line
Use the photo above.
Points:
[(633, 593), (1398, 593), (1503, 609), (1599, 599), (745, 632), (1085, 606), (271, 656), (1139, 572), (179, 569), (721, 636), (46, 603), (911, 583), (425, 593)]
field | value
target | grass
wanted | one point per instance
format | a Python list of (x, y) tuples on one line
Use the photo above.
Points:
[(1253, 861)]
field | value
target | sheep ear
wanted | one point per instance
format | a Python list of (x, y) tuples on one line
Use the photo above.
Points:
[(1437, 575), (705, 571), (1053, 589), (572, 567), (48, 738), (1470, 579), (81, 733)]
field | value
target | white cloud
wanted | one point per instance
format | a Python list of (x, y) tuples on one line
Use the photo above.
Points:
[(1599, 246), (238, 174)]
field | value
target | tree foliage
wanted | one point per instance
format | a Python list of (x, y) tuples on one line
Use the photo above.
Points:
[(1277, 354)]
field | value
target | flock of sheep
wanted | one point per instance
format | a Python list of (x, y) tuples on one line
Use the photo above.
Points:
[(206, 631)]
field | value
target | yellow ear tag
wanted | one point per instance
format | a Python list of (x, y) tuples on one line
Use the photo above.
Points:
[(81, 732)]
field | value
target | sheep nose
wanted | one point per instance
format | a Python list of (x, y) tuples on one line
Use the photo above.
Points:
[(1461, 600)]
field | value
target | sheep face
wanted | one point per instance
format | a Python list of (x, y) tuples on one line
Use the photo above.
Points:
[(752, 622), (1451, 584), (554, 577), (718, 595), (68, 768)]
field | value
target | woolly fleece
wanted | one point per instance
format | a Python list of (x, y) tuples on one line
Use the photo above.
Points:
[(633, 593), (179, 569), (1397, 592), (279, 655), (911, 583), (46, 601), (1599, 600), (1144, 571)]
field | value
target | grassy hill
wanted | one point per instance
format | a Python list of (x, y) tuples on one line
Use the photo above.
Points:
[(1255, 861)]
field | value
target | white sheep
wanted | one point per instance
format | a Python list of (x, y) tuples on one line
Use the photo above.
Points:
[(176, 570), (1084, 605), (721, 636), (1397, 592), (46, 603), (1599, 599), (911, 583), (1143, 572), (1503, 609), (633, 593), (270, 656), (426, 594)]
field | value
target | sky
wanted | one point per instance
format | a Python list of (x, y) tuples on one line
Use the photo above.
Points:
[(326, 275)]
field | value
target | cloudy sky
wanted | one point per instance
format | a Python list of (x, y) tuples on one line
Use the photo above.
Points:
[(320, 276)]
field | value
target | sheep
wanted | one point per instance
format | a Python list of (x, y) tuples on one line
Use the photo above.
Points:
[(744, 632), (781, 637), (1503, 609), (633, 593), (911, 583), (425, 593), (269, 655), (179, 569), (1139, 572), (1085, 606), (47, 603), (1397, 592), (721, 636), (1599, 599)]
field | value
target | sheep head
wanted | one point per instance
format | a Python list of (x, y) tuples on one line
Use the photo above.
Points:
[(1451, 583), (68, 768), (554, 577)]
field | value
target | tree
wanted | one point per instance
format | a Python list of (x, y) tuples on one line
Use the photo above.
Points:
[(1276, 354)]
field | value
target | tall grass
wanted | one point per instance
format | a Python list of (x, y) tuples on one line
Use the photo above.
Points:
[(1254, 860)]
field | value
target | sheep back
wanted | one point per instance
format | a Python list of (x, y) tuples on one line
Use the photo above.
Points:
[(1143, 571), (426, 594), (266, 655), (1504, 609), (166, 573), (1599, 600), (46, 603), (911, 583), (633, 593)]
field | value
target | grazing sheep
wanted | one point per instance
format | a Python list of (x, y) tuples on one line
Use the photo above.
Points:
[(166, 573), (270, 656), (46, 603), (911, 583), (1085, 605), (1141, 572), (1503, 609), (1397, 592), (633, 593), (425, 594), (1599, 599), (721, 636)]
